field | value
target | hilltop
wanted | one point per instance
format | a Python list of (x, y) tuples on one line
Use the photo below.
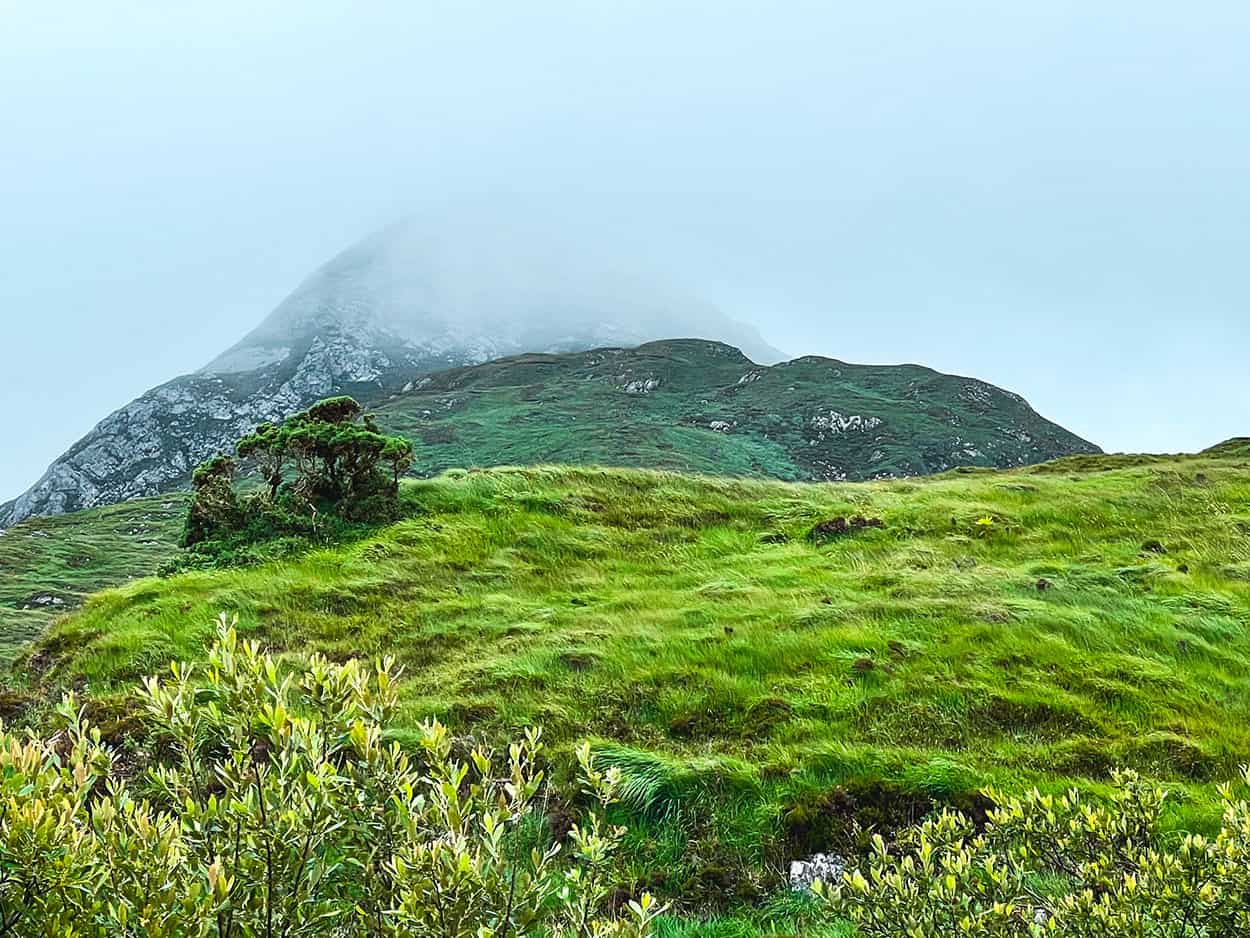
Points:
[(689, 404), (1236, 448), (750, 651), (703, 406)]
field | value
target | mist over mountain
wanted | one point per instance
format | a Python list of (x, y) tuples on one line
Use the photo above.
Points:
[(471, 292), (403, 302), (425, 296)]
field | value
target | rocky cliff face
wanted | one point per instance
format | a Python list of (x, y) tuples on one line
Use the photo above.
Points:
[(396, 306)]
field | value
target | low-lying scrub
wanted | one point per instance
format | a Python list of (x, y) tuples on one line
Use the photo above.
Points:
[(1067, 866), (275, 806)]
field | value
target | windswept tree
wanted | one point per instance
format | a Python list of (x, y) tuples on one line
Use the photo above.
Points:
[(397, 457), (333, 454), (266, 448), (328, 459)]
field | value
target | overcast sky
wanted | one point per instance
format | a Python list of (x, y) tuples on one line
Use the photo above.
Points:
[(1050, 195)]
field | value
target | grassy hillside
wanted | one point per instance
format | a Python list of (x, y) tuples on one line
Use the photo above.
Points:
[(1039, 625), (48, 566), (1236, 448), (701, 406)]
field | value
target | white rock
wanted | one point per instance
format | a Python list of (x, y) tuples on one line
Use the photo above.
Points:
[(820, 867), (836, 423)]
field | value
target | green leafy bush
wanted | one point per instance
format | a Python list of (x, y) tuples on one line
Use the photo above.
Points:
[(1056, 866), (214, 504), (332, 458), (276, 807)]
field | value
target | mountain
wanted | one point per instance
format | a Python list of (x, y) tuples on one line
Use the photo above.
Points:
[(395, 306), (704, 406), (677, 404)]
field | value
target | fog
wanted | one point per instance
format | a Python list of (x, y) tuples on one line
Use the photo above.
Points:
[(497, 279), (1050, 196)]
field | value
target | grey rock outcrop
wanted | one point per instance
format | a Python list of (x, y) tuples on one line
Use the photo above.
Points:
[(818, 868)]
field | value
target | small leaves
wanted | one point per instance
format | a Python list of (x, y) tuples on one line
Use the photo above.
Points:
[(279, 810), (1106, 867)]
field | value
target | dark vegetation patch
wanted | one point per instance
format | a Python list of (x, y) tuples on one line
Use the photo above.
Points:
[(1041, 718), (438, 434), (842, 820), (335, 600), (716, 883), (1082, 757), (731, 720), (834, 528), (328, 473), (14, 705), (579, 661), (959, 721), (119, 720), (468, 714), (1170, 755)]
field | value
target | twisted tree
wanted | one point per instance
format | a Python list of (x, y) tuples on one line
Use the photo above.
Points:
[(328, 459)]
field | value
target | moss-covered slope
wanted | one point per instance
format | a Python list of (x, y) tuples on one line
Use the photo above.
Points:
[(700, 406)]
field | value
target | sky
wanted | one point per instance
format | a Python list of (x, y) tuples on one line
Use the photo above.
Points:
[(1053, 196)]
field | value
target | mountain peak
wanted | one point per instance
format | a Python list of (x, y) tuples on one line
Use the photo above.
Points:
[(468, 296), (405, 301)]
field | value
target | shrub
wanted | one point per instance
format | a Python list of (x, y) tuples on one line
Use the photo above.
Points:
[(321, 468), (277, 807), (214, 504), (333, 458), (1056, 866)]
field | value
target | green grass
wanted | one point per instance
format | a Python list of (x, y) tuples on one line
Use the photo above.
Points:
[(1236, 448), (68, 557), (733, 669)]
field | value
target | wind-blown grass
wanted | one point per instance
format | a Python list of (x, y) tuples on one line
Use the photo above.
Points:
[(48, 566), (731, 667)]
